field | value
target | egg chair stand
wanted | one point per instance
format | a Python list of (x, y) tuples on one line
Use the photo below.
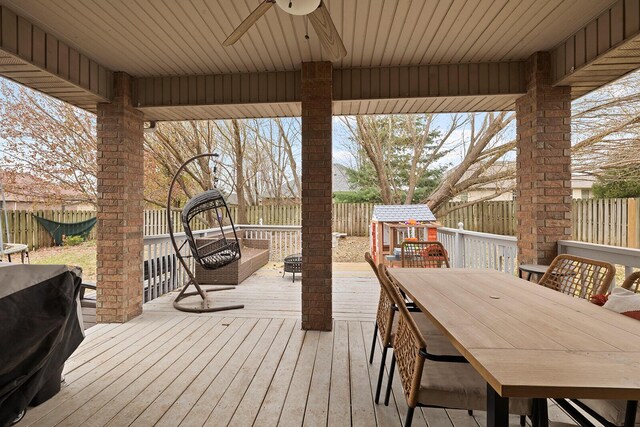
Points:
[(215, 253)]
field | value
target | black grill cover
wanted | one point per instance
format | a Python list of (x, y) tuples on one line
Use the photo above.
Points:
[(40, 326)]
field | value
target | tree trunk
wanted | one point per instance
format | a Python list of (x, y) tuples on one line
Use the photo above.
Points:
[(239, 166)]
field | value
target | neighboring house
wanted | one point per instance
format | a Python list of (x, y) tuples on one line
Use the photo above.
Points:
[(580, 184), (19, 195), (341, 179)]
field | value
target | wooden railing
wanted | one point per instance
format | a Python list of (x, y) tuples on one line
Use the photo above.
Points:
[(471, 249), (164, 273), (628, 258)]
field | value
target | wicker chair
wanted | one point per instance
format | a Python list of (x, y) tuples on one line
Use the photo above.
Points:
[(609, 412), (430, 381), (386, 326), (430, 254), (578, 277), (632, 282)]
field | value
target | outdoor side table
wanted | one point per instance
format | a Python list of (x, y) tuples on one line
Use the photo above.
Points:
[(293, 264), (530, 269)]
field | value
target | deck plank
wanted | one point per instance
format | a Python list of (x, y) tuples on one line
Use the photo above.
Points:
[(271, 407), (156, 409), (362, 410), (385, 415), (247, 411), (209, 399), (181, 407), (296, 401), (130, 394), (243, 367), (112, 380), (340, 392), (318, 399), (136, 399), (224, 410), (116, 361)]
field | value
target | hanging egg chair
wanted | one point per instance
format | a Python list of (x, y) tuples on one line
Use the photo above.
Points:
[(219, 248)]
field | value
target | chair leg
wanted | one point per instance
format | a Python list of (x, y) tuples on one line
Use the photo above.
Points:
[(373, 344), (409, 419), (392, 369), (381, 373), (470, 412), (523, 420)]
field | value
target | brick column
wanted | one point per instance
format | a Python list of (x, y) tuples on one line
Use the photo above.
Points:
[(120, 206), (316, 195), (543, 196)]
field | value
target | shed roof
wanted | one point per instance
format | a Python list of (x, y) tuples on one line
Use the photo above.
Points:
[(396, 213)]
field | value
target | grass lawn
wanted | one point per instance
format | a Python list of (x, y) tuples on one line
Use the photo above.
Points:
[(83, 255)]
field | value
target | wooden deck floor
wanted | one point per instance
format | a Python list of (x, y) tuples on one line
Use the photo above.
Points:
[(244, 367)]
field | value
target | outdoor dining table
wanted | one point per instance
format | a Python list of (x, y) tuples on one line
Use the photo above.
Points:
[(526, 340)]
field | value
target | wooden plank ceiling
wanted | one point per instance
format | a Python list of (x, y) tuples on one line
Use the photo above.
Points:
[(179, 38)]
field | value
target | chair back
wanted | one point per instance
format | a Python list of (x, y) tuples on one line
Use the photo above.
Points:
[(578, 277), (632, 282), (429, 254), (385, 312), (408, 344)]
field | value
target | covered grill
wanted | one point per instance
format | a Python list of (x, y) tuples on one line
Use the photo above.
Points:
[(40, 327)]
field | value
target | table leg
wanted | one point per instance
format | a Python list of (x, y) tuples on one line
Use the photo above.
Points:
[(540, 414), (497, 409), (630, 415)]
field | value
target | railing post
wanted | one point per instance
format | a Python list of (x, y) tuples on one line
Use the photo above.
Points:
[(458, 247)]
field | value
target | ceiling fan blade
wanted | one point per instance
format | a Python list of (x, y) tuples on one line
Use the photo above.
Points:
[(326, 32), (248, 22)]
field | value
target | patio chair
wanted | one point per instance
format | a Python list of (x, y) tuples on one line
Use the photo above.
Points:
[(632, 282), (429, 254), (386, 325), (578, 277), (609, 412), (438, 382)]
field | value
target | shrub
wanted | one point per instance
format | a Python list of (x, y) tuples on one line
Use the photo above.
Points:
[(72, 240)]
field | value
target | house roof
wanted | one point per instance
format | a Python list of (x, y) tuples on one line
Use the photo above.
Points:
[(397, 213), (26, 188)]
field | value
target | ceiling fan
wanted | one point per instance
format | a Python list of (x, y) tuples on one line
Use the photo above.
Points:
[(315, 10)]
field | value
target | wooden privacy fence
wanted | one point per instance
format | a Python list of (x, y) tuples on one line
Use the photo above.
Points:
[(603, 221), (495, 217), (350, 218), (23, 227)]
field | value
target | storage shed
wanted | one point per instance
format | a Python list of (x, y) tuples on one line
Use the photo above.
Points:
[(392, 224)]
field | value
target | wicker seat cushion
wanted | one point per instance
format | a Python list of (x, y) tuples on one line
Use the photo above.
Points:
[(612, 410), (459, 386)]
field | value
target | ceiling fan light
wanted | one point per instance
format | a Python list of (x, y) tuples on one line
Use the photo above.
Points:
[(298, 7)]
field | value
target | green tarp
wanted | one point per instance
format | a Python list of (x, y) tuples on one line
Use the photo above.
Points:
[(59, 229)]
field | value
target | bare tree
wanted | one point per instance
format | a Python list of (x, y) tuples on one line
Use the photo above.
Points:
[(52, 141), (401, 149), (484, 148)]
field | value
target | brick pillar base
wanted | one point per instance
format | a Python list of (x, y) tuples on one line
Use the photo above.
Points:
[(316, 196), (543, 196), (120, 206)]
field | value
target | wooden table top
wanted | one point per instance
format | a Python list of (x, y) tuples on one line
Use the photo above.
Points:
[(527, 340)]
